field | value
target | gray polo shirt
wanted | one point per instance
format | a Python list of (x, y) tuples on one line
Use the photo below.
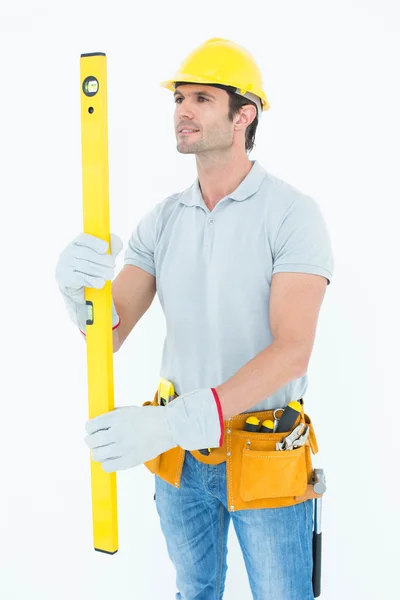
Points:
[(214, 271)]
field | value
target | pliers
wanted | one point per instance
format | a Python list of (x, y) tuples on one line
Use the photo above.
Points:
[(295, 439)]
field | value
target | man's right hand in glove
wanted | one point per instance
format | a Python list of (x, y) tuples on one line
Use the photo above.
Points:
[(85, 263)]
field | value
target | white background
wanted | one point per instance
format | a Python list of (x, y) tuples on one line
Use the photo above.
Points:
[(331, 74)]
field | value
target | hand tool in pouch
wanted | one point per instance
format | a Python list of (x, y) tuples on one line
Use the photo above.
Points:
[(252, 424), (267, 426), (295, 439), (319, 487), (166, 392), (289, 416), (99, 340)]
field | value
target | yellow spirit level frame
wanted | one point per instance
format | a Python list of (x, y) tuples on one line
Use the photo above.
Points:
[(96, 221)]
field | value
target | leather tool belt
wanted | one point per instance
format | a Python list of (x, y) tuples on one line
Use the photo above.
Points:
[(257, 475)]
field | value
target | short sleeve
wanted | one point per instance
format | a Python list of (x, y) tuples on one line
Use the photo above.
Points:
[(303, 243), (141, 244)]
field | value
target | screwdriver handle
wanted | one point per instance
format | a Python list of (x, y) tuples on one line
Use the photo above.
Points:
[(267, 426), (289, 417), (252, 424)]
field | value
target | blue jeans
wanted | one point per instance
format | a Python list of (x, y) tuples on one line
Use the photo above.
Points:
[(276, 543)]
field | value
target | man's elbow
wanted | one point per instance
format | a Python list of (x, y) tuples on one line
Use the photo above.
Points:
[(297, 356), (300, 371), (301, 360)]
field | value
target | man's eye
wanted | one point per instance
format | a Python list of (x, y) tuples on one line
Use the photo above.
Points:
[(178, 99)]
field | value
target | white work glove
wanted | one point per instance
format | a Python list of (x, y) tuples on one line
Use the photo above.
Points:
[(85, 263), (131, 435)]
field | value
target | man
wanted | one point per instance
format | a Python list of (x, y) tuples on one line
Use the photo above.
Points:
[(242, 261)]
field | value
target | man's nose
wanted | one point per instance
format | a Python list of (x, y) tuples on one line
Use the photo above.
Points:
[(184, 111)]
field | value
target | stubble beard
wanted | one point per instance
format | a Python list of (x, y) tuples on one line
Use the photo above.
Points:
[(222, 141)]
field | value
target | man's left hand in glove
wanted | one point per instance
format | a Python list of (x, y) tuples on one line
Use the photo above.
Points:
[(131, 435)]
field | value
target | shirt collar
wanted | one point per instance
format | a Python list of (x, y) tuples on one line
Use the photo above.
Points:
[(249, 186)]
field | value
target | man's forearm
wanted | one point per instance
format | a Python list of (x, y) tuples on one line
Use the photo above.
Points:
[(116, 338), (267, 372)]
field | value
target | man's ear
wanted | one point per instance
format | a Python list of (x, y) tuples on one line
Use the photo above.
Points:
[(246, 116)]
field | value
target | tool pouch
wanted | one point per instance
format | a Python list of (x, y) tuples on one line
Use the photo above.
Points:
[(257, 475)]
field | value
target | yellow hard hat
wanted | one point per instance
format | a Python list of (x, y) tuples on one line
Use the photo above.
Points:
[(220, 61)]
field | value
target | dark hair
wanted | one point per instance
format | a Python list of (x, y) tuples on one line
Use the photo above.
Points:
[(235, 104)]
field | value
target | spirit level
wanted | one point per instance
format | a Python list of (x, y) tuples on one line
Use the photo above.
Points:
[(99, 341)]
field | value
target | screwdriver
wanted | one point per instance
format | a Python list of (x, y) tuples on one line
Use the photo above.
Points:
[(251, 424), (267, 426), (289, 416)]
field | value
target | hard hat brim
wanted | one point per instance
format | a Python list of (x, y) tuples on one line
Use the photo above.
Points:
[(169, 84)]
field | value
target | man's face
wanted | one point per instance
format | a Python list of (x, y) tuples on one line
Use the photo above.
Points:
[(205, 109)]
